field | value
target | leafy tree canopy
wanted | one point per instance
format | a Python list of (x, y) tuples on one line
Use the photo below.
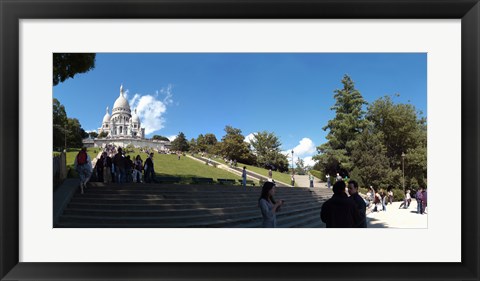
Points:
[(66, 65)]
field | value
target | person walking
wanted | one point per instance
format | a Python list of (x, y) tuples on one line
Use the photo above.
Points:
[(338, 178), (99, 168), (270, 175), (419, 198), (119, 162), (328, 181), (107, 168), (138, 169), (149, 169), (83, 166), (340, 211), (268, 206), (292, 179), (424, 200), (406, 200), (361, 205), (244, 177), (310, 177), (390, 194)]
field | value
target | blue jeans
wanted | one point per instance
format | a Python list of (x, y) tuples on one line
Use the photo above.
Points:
[(120, 174), (419, 207)]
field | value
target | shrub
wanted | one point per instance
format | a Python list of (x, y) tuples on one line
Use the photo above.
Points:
[(318, 174)]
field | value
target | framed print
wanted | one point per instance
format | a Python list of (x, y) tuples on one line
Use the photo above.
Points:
[(444, 34)]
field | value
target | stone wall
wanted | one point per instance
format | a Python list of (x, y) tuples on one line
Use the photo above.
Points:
[(137, 143)]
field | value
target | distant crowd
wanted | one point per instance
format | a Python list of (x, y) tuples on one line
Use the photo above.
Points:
[(114, 166)]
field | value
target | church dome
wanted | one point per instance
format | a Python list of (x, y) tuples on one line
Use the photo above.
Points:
[(106, 118), (121, 102)]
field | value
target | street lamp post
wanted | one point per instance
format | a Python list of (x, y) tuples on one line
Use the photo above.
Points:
[(292, 163), (403, 171)]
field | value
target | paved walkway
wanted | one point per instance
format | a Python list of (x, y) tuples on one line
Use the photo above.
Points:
[(398, 218), (303, 181)]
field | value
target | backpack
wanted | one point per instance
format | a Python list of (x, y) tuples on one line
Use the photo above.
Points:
[(81, 158)]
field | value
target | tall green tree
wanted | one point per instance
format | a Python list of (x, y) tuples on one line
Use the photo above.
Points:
[(403, 131), (399, 125), (234, 147), (75, 133), (180, 143), (66, 65), (266, 146), (371, 165), (59, 124), (335, 155)]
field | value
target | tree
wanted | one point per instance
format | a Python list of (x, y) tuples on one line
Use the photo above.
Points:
[(233, 146), (371, 165), (399, 125), (334, 156), (161, 138), (66, 65), (300, 169), (93, 135), (266, 146), (403, 131), (59, 124), (75, 133), (103, 135), (180, 143)]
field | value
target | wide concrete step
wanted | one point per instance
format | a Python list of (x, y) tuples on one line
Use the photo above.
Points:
[(177, 204), (123, 198), (186, 211), (239, 218)]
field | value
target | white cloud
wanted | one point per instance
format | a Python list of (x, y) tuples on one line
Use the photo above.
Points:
[(309, 161), (305, 150), (249, 138), (152, 108), (171, 138), (306, 147)]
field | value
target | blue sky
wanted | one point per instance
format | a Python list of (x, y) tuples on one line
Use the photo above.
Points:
[(289, 94)]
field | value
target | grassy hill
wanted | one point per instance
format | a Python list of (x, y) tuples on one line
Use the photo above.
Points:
[(283, 177), (165, 165)]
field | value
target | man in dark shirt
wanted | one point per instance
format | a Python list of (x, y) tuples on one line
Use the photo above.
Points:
[(361, 205), (340, 210), (149, 169), (119, 162)]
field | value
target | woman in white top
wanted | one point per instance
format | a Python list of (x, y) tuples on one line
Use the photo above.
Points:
[(268, 206)]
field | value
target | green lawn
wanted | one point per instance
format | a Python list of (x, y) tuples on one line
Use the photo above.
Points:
[(169, 165), (283, 177)]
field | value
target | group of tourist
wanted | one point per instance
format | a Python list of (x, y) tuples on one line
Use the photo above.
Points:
[(117, 169)]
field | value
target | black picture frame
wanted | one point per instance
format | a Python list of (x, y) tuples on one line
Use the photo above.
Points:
[(12, 11)]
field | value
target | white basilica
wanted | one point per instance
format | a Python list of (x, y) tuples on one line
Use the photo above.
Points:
[(122, 123)]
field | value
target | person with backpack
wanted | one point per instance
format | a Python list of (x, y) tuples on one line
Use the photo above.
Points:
[(83, 166)]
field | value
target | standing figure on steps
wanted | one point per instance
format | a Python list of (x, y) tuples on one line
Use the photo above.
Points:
[(268, 206), (83, 166)]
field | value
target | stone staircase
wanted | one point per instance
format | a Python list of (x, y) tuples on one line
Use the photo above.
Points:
[(183, 206)]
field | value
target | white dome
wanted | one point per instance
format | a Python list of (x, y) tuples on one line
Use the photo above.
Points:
[(121, 102), (106, 118)]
